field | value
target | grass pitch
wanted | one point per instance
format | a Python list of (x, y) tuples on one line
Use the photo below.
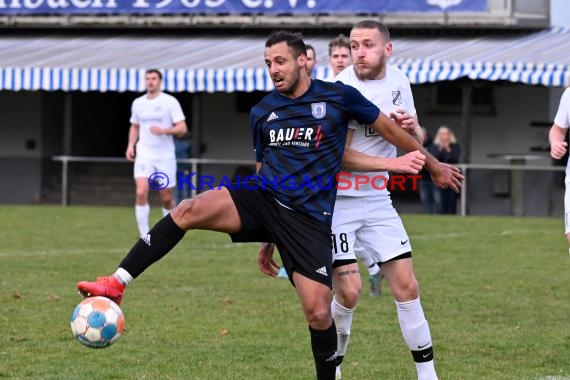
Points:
[(495, 291)]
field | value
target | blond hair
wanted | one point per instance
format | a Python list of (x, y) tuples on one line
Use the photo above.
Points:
[(440, 130)]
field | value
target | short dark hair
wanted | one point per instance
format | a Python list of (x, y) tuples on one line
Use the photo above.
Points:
[(373, 24), (339, 41), (293, 40), (154, 71)]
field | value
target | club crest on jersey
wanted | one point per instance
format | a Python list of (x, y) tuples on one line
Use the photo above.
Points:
[(319, 110), (396, 97)]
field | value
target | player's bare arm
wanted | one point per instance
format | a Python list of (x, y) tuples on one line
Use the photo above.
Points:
[(133, 137), (443, 175), (409, 123), (558, 145), (354, 160), (179, 129), (410, 163)]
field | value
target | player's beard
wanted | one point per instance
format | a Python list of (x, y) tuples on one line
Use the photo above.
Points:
[(292, 83), (371, 72)]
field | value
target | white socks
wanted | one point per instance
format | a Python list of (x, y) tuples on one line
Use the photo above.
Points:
[(373, 270), (142, 214), (343, 320), (123, 276), (415, 330)]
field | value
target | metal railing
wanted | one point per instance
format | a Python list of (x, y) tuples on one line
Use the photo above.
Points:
[(516, 171), (516, 179), (194, 162)]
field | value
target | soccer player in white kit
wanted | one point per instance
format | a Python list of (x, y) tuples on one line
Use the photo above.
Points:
[(364, 218), (155, 118), (339, 59), (559, 147)]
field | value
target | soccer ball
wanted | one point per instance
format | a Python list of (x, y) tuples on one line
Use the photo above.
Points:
[(97, 322)]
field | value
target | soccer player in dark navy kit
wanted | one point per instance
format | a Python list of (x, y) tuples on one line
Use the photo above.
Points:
[(299, 133)]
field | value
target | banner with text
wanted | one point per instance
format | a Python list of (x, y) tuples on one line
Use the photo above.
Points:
[(270, 7)]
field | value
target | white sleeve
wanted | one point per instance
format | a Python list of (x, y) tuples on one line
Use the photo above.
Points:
[(176, 113), (562, 117), (409, 99), (353, 124)]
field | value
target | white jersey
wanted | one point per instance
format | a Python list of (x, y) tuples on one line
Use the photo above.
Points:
[(389, 94), (163, 111), (562, 118)]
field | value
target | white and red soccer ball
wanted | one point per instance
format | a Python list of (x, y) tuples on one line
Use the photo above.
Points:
[(97, 322)]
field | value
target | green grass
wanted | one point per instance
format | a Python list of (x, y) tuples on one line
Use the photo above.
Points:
[(495, 291)]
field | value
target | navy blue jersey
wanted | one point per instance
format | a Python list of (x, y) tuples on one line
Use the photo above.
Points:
[(300, 143)]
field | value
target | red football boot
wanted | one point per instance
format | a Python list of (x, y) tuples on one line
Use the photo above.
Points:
[(108, 287)]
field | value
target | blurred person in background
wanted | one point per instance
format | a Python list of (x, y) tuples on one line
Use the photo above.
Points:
[(311, 60), (339, 54), (156, 117), (446, 149)]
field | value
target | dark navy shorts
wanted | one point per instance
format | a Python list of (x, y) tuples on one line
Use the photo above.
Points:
[(304, 243)]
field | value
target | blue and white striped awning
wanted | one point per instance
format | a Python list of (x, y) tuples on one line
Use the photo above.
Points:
[(540, 58), (235, 63)]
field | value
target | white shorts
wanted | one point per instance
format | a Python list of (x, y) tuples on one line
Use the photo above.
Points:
[(144, 168), (368, 224)]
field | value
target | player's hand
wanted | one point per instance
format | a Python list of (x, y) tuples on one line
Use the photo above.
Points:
[(130, 153), (156, 130), (445, 175), (405, 120), (410, 163), (558, 149), (265, 260)]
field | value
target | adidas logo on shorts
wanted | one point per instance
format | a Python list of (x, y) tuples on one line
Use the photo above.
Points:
[(146, 239), (322, 271)]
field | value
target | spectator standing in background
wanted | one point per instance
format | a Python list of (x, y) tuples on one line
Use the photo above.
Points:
[(446, 149)]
